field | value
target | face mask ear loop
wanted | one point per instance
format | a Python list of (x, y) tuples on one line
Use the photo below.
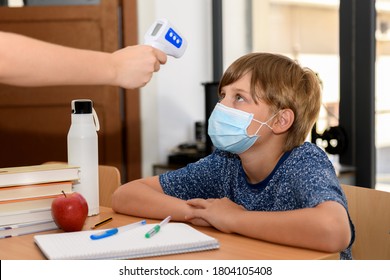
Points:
[(264, 123), (270, 127), (257, 131)]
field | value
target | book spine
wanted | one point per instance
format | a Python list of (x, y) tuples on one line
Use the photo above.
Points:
[(34, 191), (19, 230)]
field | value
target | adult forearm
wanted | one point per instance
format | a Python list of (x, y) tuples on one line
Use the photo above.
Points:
[(32, 62)]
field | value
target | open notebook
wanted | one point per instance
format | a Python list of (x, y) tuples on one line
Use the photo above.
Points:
[(173, 238)]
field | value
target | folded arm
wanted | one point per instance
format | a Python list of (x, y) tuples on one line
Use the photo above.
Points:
[(145, 198), (324, 227)]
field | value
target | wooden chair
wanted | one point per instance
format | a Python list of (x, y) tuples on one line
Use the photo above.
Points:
[(370, 212), (109, 181)]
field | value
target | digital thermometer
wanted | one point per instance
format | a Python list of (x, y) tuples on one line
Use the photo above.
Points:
[(163, 36)]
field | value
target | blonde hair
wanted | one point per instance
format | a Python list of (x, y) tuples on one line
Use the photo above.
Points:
[(283, 84)]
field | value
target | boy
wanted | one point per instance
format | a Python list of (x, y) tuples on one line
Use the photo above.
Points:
[(263, 180)]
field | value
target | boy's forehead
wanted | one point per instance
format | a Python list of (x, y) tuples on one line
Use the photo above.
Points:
[(241, 84), (244, 80)]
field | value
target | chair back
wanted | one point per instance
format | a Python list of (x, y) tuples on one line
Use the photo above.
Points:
[(109, 181), (370, 212)]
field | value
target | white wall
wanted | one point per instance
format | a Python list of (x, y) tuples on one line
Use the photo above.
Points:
[(174, 100), (235, 31)]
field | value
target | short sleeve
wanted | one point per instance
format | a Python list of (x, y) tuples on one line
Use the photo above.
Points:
[(201, 179), (318, 181)]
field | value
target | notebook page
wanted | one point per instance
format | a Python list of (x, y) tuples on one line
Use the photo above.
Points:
[(173, 238)]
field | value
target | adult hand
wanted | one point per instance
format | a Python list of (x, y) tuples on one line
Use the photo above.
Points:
[(135, 65)]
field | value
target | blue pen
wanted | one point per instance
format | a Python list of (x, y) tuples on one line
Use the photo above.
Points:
[(113, 231), (157, 228)]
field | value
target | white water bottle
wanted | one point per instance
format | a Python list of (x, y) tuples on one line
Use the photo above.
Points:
[(83, 151)]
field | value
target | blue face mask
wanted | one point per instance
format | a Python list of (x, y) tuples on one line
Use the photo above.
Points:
[(228, 129)]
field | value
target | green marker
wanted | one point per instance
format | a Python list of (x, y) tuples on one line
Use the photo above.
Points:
[(157, 228)]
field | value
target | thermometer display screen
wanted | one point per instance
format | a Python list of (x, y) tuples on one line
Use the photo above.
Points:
[(156, 29)]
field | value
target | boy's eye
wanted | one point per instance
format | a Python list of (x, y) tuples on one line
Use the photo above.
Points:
[(239, 97)]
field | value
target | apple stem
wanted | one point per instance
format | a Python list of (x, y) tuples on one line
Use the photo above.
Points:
[(64, 193)]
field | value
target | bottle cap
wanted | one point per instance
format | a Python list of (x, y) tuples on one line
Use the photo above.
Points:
[(82, 106)]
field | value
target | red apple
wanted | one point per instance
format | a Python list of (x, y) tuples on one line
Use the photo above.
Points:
[(69, 211)]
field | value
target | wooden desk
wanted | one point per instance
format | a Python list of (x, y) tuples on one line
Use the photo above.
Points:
[(232, 246)]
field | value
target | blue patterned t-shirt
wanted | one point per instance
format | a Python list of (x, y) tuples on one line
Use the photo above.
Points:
[(303, 178)]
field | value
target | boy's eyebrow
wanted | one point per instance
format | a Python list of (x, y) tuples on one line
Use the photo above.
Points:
[(241, 91), (235, 88)]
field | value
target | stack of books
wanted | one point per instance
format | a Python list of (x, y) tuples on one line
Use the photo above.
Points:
[(26, 194)]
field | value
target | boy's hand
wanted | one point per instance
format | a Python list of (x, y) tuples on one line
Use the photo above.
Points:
[(219, 213)]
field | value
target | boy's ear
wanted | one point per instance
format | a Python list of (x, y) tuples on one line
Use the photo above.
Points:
[(284, 121)]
